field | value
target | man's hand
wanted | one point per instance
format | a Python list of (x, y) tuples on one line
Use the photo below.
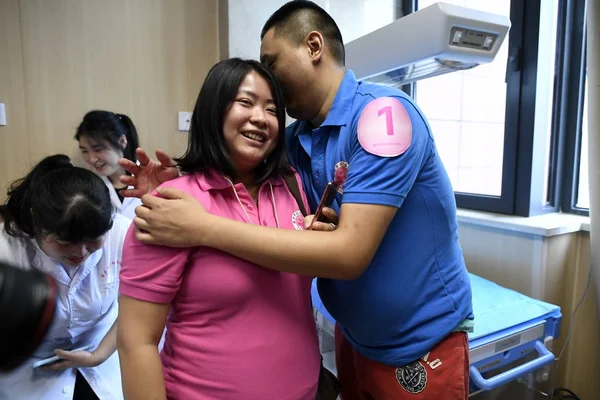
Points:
[(171, 219), (74, 359), (148, 175), (331, 223)]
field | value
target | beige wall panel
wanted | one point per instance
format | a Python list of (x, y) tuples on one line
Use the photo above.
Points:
[(14, 138), (500, 256), (579, 369), (143, 58)]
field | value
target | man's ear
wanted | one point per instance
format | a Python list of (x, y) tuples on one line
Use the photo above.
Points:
[(316, 45)]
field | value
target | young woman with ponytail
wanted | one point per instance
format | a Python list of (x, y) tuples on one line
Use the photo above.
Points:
[(105, 137)]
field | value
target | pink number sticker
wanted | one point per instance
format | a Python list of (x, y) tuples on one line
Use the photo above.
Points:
[(384, 128)]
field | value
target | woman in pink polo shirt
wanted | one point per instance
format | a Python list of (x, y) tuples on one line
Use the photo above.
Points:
[(234, 330)]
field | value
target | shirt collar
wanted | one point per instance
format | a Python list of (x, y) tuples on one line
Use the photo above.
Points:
[(214, 180), (341, 108)]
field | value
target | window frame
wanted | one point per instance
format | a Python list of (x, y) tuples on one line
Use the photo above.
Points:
[(560, 104), (567, 171)]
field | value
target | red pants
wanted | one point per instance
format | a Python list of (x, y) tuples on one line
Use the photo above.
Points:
[(443, 374)]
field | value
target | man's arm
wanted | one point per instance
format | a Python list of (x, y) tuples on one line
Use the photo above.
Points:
[(341, 254), (375, 188)]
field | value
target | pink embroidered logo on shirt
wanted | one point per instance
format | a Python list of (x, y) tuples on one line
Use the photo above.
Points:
[(384, 128), (340, 174), (298, 220)]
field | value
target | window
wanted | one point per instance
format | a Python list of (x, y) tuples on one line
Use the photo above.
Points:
[(551, 30), (513, 134), (466, 112), (484, 126)]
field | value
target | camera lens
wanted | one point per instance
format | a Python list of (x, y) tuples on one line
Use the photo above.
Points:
[(27, 304)]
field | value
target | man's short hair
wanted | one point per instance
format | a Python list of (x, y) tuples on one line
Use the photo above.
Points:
[(295, 19)]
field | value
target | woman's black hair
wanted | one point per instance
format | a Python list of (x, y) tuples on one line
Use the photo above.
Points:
[(57, 198), (206, 144), (106, 126)]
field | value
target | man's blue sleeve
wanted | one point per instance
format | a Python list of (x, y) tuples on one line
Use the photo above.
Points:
[(380, 180)]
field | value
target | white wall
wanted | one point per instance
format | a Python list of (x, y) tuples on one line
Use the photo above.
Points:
[(354, 17)]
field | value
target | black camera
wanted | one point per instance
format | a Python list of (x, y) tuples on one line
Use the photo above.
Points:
[(27, 305)]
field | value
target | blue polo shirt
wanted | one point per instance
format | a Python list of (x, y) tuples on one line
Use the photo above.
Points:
[(416, 290)]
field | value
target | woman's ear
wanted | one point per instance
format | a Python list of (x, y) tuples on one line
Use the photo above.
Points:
[(123, 142)]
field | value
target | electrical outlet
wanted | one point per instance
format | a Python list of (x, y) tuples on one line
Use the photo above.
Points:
[(2, 114), (185, 118)]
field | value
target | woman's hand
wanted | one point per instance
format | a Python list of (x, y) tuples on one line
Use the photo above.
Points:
[(148, 175), (330, 216), (74, 359)]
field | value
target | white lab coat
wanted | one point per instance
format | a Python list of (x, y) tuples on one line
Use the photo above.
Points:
[(86, 309), (127, 208)]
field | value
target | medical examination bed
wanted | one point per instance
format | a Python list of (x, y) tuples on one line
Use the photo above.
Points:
[(509, 349)]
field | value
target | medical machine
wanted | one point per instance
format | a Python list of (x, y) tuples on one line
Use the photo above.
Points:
[(435, 40)]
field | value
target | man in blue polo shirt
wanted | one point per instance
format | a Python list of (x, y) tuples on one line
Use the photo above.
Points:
[(392, 274)]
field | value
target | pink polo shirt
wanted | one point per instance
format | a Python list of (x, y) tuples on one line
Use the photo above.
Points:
[(235, 330)]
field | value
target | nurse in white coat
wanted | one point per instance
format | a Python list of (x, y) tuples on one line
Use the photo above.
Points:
[(105, 137), (59, 219)]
